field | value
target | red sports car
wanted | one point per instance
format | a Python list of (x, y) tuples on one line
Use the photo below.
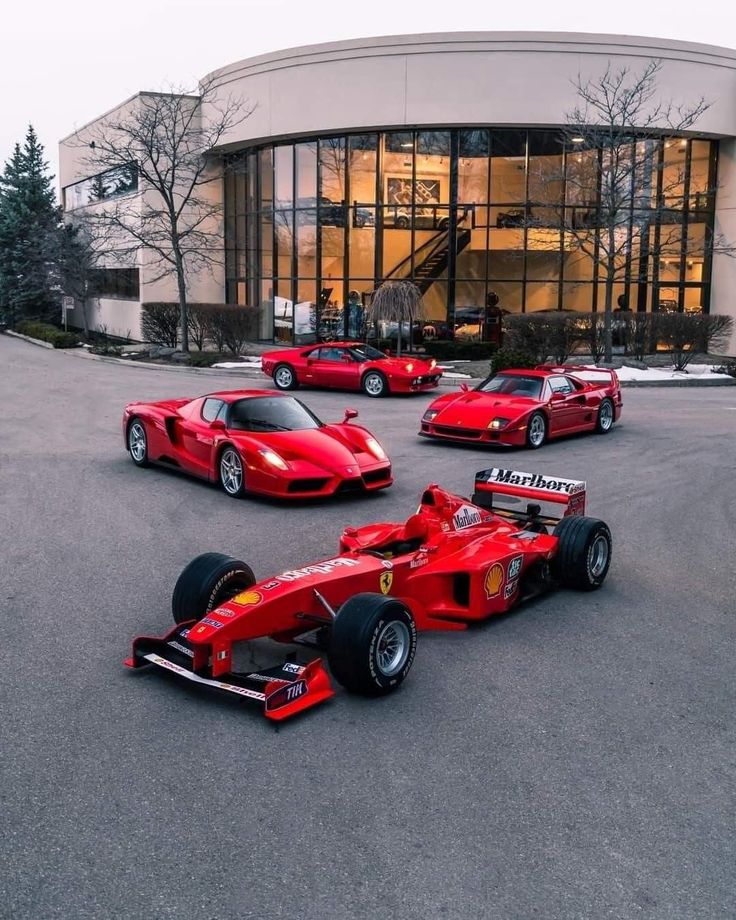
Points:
[(526, 407), (350, 366), (257, 441), (454, 561)]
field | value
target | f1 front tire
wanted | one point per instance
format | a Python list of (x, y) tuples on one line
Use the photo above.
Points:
[(208, 581)]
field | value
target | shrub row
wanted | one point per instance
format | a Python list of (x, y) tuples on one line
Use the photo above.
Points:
[(226, 326), (558, 335), (459, 351), (47, 333)]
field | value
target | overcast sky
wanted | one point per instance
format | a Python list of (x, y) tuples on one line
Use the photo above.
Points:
[(64, 62)]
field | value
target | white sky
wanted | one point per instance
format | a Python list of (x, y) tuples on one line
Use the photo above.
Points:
[(63, 62)]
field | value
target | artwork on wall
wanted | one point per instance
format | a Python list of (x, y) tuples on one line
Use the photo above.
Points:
[(400, 190)]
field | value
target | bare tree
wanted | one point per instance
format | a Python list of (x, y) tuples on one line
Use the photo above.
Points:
[(77, 261), (397, 301), (624, 204), (164, 141)]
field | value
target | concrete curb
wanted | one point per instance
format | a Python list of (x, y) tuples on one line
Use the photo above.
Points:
[(27, 338)]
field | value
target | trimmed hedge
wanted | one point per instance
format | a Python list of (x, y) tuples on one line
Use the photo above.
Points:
[(511, 357), (227, 326), (47, 333), (459, 351)]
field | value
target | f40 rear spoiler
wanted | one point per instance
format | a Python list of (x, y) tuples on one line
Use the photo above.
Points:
[(568, 492), (582, 371)]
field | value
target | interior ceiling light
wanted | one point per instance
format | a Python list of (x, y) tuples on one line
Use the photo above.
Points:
[(578, 140), (407, 145)]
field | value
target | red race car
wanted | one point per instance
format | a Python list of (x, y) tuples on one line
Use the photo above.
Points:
[(350, 366), (454, 561), (523, 408), (257, 441)]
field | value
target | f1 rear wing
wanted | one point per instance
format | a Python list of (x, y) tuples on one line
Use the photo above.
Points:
[(568, 492)]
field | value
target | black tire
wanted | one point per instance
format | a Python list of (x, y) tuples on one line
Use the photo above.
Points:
[(604, 419), (284, 377), (537, 423), (443, 224), (137, 442), (374, 384), (231, 472), (360, 648), (402, 223), (208, 581), (583, 553)]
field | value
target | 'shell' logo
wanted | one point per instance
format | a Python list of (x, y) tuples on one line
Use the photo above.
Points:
[(493, 580), (385, 581), (248, 598)]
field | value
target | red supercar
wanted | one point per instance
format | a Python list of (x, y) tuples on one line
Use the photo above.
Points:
[(454, 561), (257, 441), (523, 408), (350, 366)]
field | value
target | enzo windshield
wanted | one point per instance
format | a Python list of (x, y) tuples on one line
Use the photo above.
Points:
[(271, 413), (513, 385), (366, 353)]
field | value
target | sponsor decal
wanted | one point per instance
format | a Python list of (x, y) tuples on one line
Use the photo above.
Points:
[(510, 589), (418, 561), (444, 526), (524, 535), (385, 581), (190, 675), (285, 695), (181, 648), (224, 612), (270, 585), (466, 516), (387, 564), (248, 598), (208, 621), (292, 668), (184, 632), (321, 568), (221, 656), (493, 580), (534, 481), (514, 568)]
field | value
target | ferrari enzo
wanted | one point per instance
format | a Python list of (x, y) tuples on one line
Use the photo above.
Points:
[(523, 408), (454, 561), (350, 366), (257, 441)]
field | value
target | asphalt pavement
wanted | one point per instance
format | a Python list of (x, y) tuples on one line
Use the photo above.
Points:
[(572, 760)]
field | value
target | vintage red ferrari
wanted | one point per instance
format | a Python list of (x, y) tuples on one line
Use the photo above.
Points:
[(523, 408), (257, 441), (455, 561), (350, 366)]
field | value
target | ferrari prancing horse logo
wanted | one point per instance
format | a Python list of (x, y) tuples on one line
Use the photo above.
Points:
[(385, 581)]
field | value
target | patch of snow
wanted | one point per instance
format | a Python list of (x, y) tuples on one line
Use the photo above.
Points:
[(456, 376), (694, 372), (235, 365)]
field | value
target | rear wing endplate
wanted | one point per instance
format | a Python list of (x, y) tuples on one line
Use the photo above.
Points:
[(591, 374), (496, 480)]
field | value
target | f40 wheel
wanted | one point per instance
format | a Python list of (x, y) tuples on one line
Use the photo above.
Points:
[(208, 581), (373, 643), (604, 419), (536, 430), (583, 553)]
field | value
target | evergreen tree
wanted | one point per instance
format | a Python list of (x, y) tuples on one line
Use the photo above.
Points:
[(29, 234)]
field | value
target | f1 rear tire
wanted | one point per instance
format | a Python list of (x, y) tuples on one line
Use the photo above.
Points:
[(208, 581), (583, 553), (373, 643)]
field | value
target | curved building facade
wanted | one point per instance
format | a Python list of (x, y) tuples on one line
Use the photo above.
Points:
[(439, 158)]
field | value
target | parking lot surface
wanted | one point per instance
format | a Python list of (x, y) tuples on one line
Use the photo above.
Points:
[(572, 760)]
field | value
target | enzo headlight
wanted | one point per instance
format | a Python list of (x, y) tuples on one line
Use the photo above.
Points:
[(430, 414), (375, 448), (270, 456), (499, 423), (410, 367)]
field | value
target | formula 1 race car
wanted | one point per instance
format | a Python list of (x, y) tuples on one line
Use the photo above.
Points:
[(454, 561)]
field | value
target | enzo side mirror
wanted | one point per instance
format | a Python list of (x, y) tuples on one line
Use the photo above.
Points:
[(346, 359), (218, 425), (350, 413)]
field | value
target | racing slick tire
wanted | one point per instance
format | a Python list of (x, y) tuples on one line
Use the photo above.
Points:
[(373, 643), (374, 384), (208, 581), (284, 377), (536, 430), (137, 442), (583, 553), (604, 419)]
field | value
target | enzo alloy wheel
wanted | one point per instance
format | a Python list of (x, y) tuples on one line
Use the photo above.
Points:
[(137, 443), (374, 384), (284, 377), (231, 472), (604, 422), (536, 431)]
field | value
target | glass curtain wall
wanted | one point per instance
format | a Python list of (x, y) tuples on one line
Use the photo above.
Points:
[(473, 216)]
